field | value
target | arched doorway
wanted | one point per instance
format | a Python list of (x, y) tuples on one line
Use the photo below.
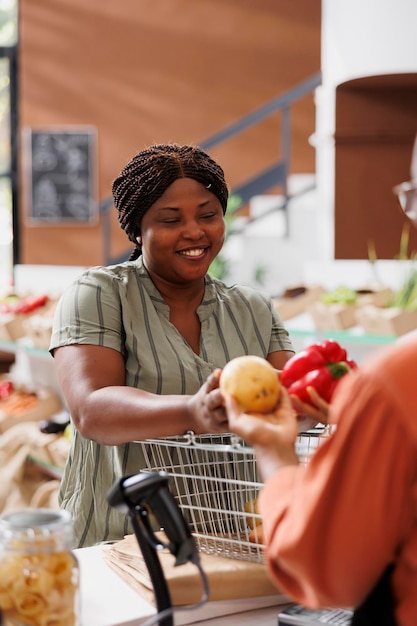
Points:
[(376, 124)]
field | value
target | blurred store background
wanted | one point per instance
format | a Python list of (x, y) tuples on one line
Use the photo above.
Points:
[(310, 106), (127, 75)]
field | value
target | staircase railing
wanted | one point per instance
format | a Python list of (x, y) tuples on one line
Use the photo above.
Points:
[(272, 176)]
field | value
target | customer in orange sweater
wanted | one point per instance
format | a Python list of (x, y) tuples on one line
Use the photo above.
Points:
[(349, 519)]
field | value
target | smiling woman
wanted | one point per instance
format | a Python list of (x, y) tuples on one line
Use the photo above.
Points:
[(139, 346), (149, 174)]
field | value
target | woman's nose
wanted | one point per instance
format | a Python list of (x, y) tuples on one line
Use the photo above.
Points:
[(193, 230)]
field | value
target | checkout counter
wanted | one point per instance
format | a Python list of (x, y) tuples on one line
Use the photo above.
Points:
[(107, 600)]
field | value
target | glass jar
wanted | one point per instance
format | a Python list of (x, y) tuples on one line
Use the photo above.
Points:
[(39, 575)]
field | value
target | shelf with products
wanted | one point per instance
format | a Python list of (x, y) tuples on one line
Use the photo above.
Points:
[(33, 367), (361, 306), (300, 328), (358, 343), (15, 346)]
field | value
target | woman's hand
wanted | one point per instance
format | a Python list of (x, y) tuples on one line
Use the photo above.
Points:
[(207, 407), (272, 435)]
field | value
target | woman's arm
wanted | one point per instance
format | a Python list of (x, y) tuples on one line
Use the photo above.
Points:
[(278, 359), (103, 409)]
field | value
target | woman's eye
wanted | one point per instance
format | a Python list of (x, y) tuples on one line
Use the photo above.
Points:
[(170, 220), (208, 216)]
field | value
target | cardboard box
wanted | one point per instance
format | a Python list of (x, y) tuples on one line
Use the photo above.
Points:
[(377, 297), (386, 321), (333, 316), (292, 306), (36, 325), (12, 326), (38, 329)]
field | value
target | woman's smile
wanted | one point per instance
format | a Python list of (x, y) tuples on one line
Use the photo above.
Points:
[(193, 252)]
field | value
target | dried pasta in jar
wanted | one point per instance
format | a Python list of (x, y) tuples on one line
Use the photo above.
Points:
[(39, 576)]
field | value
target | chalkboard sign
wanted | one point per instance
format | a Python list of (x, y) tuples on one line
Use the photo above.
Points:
[(61, 172)]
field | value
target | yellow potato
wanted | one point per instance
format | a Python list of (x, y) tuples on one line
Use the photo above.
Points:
[(253, 382), (256, 535), (251, 506)]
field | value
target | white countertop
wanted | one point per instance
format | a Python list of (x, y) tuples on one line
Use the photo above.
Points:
[(107, 600)]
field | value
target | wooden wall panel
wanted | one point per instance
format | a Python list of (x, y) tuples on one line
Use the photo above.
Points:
[(172, 70)]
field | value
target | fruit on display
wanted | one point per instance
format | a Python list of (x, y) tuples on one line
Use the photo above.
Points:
[(253, 518), (321, 366), (6, 389), (14, 304), (18, 402), (68, 432), (24, 405), (253, 382), (341, 295), (256, 535)]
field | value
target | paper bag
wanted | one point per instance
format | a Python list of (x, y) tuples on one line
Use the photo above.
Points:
[(228, 578)]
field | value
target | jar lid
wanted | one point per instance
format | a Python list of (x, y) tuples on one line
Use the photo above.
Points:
[(40, 527)]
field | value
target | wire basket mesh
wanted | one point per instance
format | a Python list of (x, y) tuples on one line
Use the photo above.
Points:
[(216, 484)]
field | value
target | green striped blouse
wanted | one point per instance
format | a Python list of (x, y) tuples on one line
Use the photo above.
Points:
[(120, 308)]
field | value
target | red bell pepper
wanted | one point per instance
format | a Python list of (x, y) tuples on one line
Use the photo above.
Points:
[(25, 305), (320, 366), (6, 389), (324, 380), (332, 351), (316, 355), (31, 303)]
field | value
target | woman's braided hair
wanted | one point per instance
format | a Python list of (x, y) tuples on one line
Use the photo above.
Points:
[(149, 174)]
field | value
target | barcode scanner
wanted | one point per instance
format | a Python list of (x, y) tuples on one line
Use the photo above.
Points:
[(140, 495), (150, 490)]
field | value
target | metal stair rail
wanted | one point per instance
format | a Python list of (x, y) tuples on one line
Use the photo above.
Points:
[(275, 174)]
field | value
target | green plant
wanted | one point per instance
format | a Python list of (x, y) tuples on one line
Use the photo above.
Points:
[(260, 274), (220, 266), (405, 297), (340, 295)]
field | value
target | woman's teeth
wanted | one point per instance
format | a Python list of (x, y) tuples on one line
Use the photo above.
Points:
[(195, 252)]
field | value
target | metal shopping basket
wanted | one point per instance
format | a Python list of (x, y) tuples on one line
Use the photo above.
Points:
[(216, 483)]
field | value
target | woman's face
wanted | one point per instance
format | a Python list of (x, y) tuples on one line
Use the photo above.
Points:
[(182, 232)]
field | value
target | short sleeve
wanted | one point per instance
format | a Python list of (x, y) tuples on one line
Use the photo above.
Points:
[(280, 339), (89, 313)]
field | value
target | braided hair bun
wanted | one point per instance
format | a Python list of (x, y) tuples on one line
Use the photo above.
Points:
[(149, 174)]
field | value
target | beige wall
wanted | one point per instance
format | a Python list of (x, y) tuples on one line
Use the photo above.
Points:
[(141, 71)]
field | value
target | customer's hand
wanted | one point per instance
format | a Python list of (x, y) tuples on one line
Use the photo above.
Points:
[(272, 435), (317, 411)]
